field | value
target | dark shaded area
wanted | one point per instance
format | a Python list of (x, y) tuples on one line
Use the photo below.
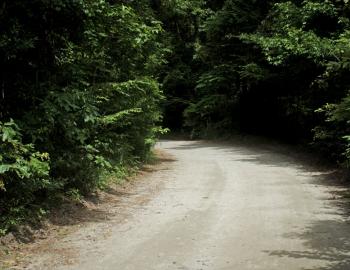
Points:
[(270, 108), (267, 68)]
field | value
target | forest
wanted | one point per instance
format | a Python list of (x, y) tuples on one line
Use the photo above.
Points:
[(87, 86)]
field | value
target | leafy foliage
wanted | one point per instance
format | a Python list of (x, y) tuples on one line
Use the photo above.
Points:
[(24, 173), (79, 78)]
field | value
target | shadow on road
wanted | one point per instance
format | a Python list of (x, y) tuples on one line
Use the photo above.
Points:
[(326, 240)]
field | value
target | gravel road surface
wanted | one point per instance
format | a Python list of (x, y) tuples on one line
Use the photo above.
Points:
[(223, 207)]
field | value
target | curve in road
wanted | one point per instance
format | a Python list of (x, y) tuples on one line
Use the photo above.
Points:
[(230, 207)]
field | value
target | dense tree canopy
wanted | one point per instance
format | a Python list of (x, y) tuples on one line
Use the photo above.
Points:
[(85, 84), (276, 68)]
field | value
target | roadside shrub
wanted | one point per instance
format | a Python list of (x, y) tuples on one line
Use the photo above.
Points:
[(24, 175)]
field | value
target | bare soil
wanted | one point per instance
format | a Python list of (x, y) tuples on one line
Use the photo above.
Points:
[(17, 249)]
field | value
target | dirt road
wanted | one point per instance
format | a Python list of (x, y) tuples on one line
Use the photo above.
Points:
[(224, 207)]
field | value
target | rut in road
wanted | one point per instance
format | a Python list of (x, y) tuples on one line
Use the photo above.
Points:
[(225, 207)]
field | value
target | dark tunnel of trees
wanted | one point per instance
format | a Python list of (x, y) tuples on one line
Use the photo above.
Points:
[(87, 86)]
